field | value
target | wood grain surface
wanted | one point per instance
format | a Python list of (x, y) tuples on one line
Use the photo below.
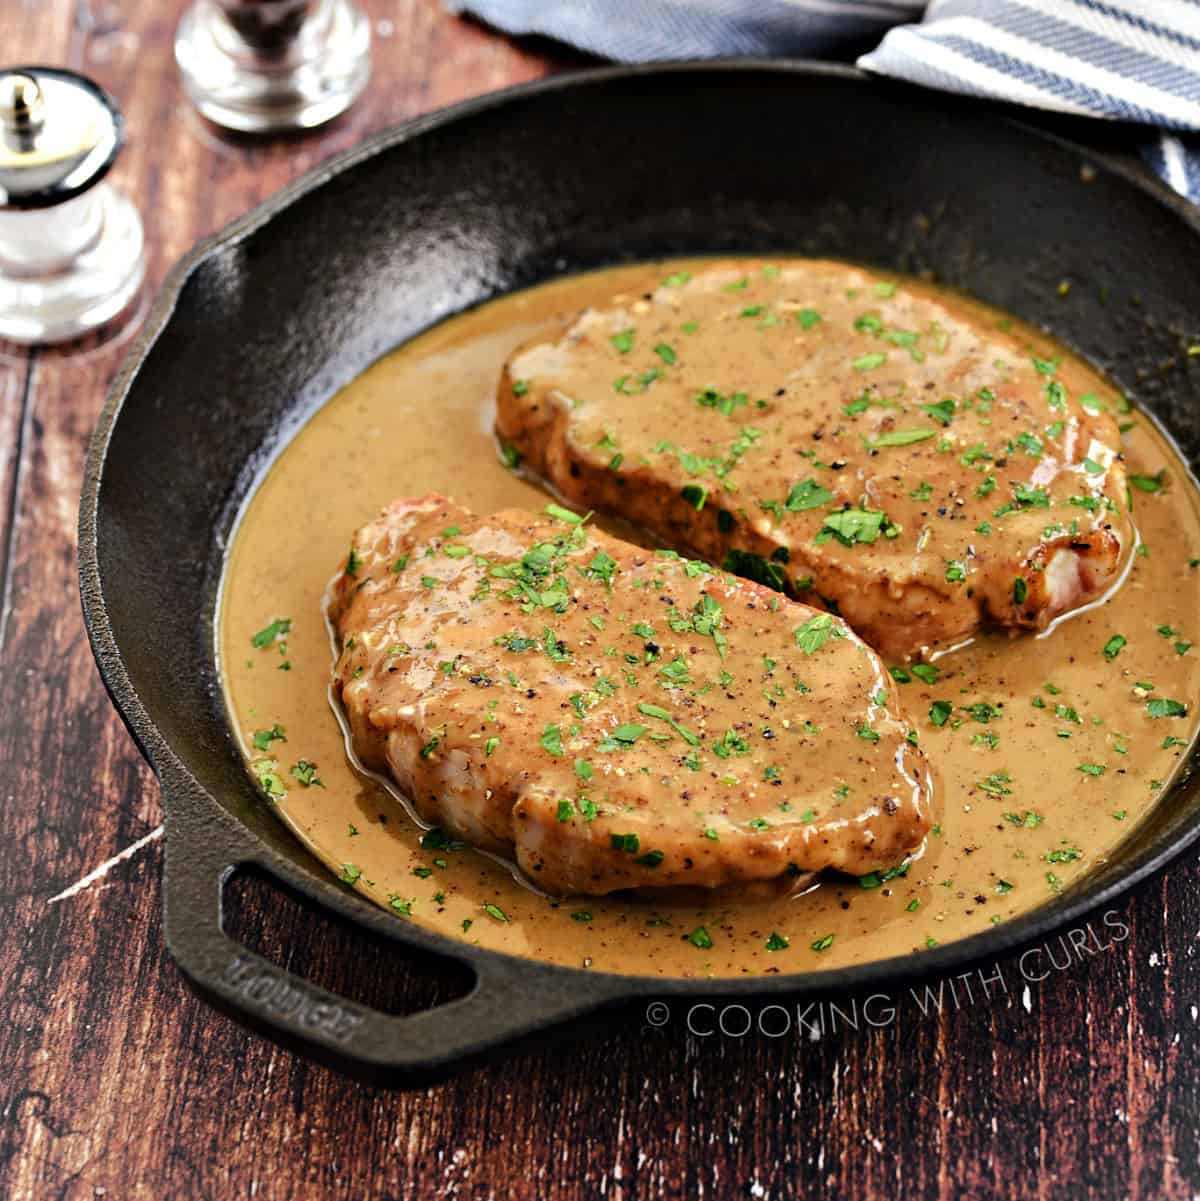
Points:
[(116, 1082)]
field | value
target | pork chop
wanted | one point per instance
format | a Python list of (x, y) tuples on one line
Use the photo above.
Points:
[(614, 717), (854, 442)]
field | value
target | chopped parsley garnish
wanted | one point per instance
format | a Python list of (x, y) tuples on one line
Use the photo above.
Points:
[(263, 738), (1025, 497), (1031, 444), (269, 633), (851, 526), (899, 438), (648, 710), (997, 783), (706, 621), (710, 398), (551, 739), (622, 737), (1114, 646), (1149, 483), (629, 385), (942, 412), (815, 632), (1029, 821), (1161, 707), (875, 879), (561, 514), (266, 771), (305, 771), (868, 362), (675, 673), (806, 494), (730, 743), (516, 642), (602, 567), (1064, 855), (436, 839)]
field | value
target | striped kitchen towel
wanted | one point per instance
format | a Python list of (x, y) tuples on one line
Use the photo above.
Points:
[(1121, 60)]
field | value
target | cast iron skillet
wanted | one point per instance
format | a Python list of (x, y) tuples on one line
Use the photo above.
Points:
[(263, 322)]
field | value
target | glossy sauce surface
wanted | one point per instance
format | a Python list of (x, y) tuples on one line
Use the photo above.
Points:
[(1048, 748), (613, 717), (848, 439)]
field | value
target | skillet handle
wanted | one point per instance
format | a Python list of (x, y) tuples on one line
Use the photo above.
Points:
[(510, 998)]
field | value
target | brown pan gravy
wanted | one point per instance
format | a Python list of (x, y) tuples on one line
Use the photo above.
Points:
[(1025, 809)]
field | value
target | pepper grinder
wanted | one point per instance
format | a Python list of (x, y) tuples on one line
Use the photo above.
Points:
[(71, 247), (261, 66)]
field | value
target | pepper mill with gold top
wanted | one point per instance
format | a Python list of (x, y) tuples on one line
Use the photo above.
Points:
[(71, 246)]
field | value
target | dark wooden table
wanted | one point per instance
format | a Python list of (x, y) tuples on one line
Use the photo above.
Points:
[(116, 1082)]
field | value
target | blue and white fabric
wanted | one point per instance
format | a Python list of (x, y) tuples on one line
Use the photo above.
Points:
[(1119, 60)]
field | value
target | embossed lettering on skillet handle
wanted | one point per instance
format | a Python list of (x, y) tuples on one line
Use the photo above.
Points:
[(510, 999)]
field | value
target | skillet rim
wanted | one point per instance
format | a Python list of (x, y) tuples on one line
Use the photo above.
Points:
[(592, 989)]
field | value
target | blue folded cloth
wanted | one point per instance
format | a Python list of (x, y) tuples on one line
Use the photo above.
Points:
[(1119, 60)]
